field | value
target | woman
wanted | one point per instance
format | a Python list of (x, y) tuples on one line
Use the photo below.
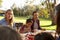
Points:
[(27, 27), (36, 22), (8, 20)]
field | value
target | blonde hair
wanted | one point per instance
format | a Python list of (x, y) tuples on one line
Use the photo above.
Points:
[(12, 19)]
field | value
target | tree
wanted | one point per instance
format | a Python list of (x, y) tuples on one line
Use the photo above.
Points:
[(28, 10), (51, 9), (0, 2), (53, 16)]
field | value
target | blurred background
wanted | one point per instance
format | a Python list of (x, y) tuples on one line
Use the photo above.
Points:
[(23, 10)]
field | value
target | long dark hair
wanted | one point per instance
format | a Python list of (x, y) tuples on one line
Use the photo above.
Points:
[(34, 13)]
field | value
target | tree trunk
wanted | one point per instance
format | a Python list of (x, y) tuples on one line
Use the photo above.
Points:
[(53, 14)]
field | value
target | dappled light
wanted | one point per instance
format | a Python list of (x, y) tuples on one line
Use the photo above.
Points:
[(30, 18)]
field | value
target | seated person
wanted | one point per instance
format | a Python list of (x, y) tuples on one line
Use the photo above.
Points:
[(7, 33), (58, 20), (36, 22), (44, 36), (8, 19), (27, 27)]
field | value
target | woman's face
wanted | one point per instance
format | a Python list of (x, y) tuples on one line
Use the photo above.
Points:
[(9, 15), (29, 24), (35, 15)]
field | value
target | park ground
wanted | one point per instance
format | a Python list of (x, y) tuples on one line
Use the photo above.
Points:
[(44, 23)]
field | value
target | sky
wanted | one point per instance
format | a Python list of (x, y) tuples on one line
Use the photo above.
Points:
[(58, 1), (6, 4)]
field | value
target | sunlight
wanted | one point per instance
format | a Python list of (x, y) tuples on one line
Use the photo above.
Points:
[(19, 3)]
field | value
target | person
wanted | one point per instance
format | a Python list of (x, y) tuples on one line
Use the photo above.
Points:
[(43, 36), (58, 20), (7, 33), (8, 19), (27, 27), (36, 22)]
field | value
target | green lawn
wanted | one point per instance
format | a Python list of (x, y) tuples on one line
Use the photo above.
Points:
[(45, 24)]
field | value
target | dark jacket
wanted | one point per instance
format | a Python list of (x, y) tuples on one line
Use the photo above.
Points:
[(38, 22)]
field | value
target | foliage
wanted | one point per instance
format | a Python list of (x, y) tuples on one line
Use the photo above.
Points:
[(43, 22), (0, 2), (44, 13), (28, 9)]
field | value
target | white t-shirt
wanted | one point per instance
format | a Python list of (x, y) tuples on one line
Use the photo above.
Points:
[(35, 25)]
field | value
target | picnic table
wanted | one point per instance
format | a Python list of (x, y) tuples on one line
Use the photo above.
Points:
[(26, 35)]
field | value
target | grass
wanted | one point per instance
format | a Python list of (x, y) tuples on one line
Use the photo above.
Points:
[(44, 23)]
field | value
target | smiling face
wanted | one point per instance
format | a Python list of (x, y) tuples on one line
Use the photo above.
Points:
[(29, 24)]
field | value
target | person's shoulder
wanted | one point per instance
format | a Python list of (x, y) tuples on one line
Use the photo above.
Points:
[(2, 20), (24, 26)]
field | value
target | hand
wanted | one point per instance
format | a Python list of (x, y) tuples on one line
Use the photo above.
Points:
[(31, 37)]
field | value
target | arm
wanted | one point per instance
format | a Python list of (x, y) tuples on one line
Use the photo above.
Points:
[(22, 30)]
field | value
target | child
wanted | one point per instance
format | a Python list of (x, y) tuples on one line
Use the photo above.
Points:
[(27, 27)]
